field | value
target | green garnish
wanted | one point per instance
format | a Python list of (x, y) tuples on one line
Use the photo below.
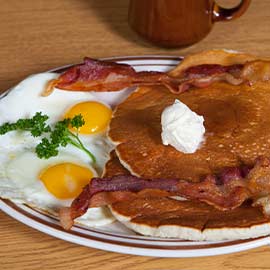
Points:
[(59, 135), (36, 125)]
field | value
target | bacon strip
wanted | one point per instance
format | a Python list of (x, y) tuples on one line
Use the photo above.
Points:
[(226, 191), (96, 75), (204, 75)]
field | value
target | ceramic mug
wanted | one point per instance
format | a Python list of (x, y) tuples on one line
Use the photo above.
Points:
[(179, 23)]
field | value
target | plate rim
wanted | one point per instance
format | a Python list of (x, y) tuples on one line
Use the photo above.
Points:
[(131, 250)]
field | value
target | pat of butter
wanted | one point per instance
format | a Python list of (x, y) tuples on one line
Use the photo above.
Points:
[(182, 128)]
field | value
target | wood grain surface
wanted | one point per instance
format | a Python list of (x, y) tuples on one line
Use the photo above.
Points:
[(37, 35)]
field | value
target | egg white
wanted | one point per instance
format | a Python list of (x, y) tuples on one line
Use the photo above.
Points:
[(25, 99), (19, 165)]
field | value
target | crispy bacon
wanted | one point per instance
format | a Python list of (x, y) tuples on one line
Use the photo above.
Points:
[(207, 70), (226, 191), (97, 75), (204, 75)]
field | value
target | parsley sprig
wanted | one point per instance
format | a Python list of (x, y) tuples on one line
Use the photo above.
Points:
[(57, 136), (36, 125)]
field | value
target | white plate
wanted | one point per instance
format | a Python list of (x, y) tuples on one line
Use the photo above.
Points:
[(116, 237)]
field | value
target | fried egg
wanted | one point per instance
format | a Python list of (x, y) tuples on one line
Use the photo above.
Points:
[(48, 184)]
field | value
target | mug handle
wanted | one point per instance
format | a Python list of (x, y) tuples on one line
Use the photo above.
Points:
[(227, 14)]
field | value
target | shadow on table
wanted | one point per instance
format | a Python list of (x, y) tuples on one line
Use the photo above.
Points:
[(114, 13)]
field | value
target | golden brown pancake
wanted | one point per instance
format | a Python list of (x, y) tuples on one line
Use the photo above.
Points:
[(113, 167), (155, 214), (236, 121), (237, 132)]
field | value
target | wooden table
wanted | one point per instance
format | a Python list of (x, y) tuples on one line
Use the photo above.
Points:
[(37, 35)]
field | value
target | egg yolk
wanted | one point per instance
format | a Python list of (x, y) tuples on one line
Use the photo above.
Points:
[(65, 180), (96, 116)]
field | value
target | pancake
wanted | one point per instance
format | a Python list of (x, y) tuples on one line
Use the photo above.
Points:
[(236, 121), (114, 167), (237, 132), (167, 217)]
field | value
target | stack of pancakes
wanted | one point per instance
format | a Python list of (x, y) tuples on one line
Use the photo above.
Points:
[(237, 132)]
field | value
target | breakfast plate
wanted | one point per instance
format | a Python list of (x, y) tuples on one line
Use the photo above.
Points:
[(115, 237)]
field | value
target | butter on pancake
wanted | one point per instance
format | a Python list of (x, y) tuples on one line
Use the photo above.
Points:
[(236, 123), (182, 128), (166, 217)]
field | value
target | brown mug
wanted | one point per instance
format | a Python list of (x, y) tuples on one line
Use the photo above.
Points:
[(178, 23)]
